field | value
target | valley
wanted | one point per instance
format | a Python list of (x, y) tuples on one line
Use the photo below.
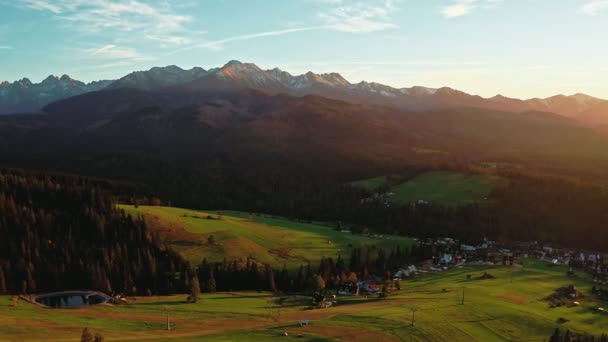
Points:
[(309, 170), (494, 309)]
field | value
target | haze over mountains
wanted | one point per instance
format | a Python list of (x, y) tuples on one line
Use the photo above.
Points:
[(242, 112), (23, 96)]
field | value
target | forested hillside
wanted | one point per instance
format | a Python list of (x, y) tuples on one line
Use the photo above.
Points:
[(62, 232)]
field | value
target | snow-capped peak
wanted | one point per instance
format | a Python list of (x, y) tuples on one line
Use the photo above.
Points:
[(583, 98), (418, 91)]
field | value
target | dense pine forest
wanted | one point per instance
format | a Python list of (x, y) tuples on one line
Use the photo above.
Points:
[(62, 232), (330, 273), (535, 205), (59, 230)]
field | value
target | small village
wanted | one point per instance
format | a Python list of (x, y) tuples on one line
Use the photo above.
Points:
[(453, 254)]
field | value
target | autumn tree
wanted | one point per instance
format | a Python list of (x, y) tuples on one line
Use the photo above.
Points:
[(86, 336), (195, 289)]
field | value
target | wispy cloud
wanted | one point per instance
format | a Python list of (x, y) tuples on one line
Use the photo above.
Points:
[(5, 47), (94, 16), (360, 18), (330, 2), (386, 63), (108, 56), (42, 5), (114, 52), (595, 7), (175, 40), (111, 65), (219, 44), (460, 8)]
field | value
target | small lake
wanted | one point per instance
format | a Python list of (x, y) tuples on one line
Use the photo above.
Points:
[(71, 300)]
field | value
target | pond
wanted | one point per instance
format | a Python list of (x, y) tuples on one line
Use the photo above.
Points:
[(71, 300)]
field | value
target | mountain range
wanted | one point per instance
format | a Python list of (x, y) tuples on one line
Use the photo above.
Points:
[(241, 115), (24, 96)]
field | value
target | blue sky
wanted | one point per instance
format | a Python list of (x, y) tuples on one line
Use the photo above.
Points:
[(518, 48)]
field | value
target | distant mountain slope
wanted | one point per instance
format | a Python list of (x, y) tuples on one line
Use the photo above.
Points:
[(236, 76), (158, 78), (24, 96), (180, 120)]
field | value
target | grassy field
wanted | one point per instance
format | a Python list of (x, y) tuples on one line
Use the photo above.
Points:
[(272, 240), (371, 184), (442, 187), (507, 308)]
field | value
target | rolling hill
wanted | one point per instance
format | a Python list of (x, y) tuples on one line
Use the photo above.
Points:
[(268, 239)]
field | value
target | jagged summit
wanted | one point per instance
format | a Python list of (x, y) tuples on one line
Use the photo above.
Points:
[(25, 96), (51, 78), (232, 62), (158, 78), (237, 75), (419, 91), (236, 66)]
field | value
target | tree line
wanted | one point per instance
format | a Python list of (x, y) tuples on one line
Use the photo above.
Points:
[(331, 272), (568, 336), (537, 204), (60, 232), (534, 206)]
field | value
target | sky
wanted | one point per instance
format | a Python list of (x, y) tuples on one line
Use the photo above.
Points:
[(516, 48)]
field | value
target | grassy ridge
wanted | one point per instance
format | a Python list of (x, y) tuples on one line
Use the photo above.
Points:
[(371, 184), (441, 187), (273, 240), (447, 188)]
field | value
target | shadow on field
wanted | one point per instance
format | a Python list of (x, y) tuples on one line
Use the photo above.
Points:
[(161, 303)]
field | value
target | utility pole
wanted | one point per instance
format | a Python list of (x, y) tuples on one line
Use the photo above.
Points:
[(168, 323), (462, 299), (413, 316)]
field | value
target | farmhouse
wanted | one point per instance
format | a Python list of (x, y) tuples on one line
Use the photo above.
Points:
[(369, 287), (348, 289), (467, 248), (404, 273)]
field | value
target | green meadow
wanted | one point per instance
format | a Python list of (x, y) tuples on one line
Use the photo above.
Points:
[(273, 240), (441, 187), (371, 184), (509, 307)]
